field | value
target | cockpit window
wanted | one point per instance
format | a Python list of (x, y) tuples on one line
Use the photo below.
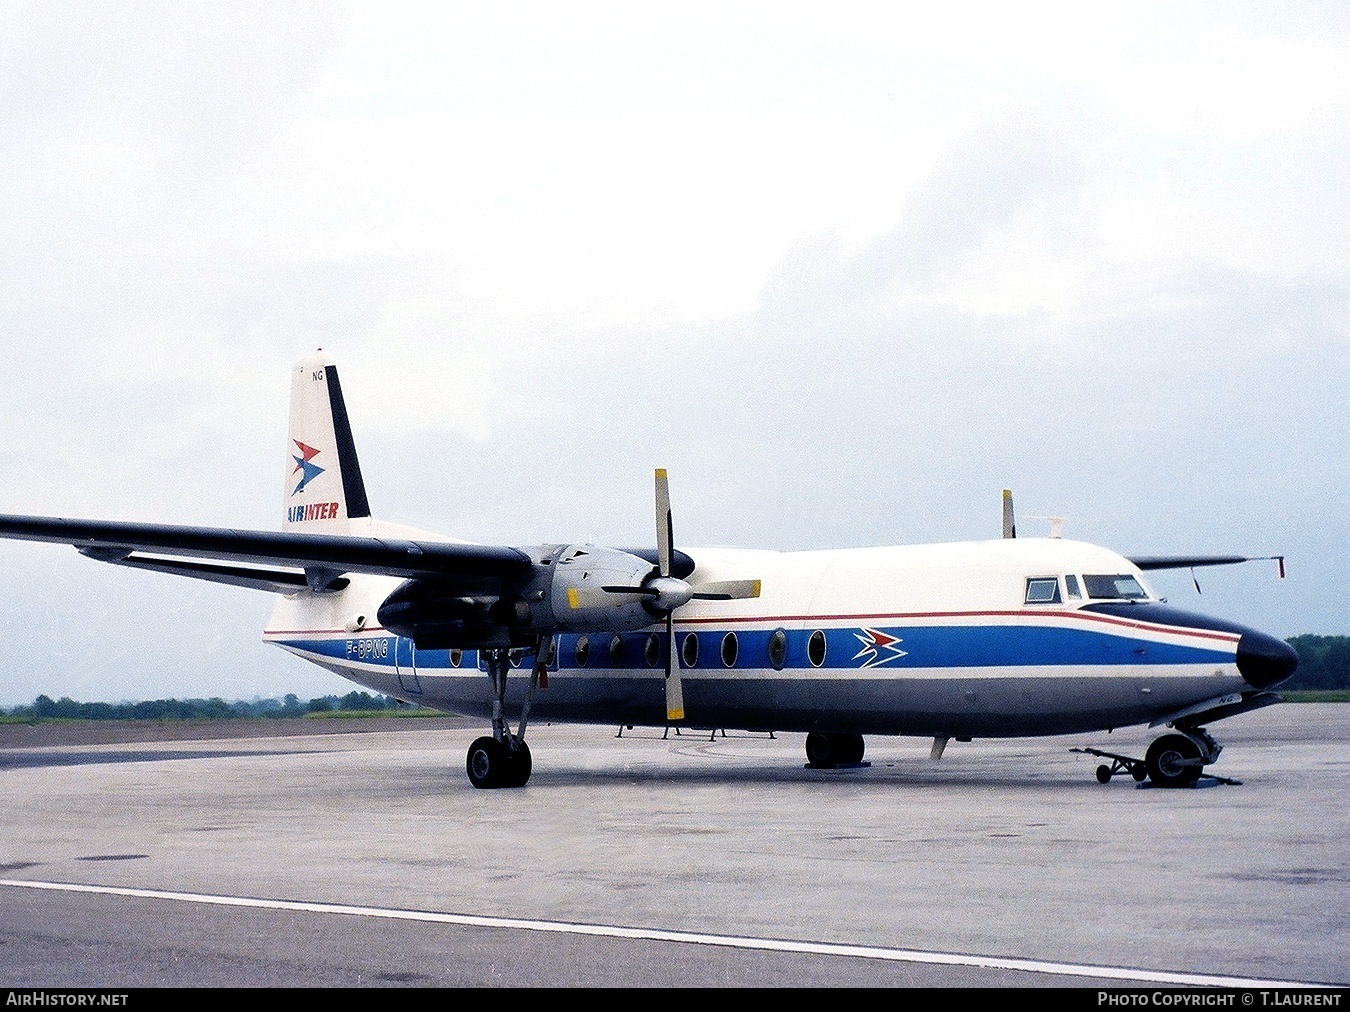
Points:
[(1118, 588), (1042, 590), (1071, 586)]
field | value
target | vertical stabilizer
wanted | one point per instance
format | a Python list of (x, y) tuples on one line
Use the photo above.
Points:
[(324, 489)]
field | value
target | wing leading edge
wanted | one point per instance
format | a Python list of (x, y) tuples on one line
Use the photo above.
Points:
[(319, 560), (1147, 562)]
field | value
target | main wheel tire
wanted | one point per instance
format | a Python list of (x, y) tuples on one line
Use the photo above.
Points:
[(850, 748), (518, 766), (824, 749), (1169, 761), (1103, 774), (487, 763), (820, 750)]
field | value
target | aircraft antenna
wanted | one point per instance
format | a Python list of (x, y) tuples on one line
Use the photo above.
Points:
[(1009, 524)]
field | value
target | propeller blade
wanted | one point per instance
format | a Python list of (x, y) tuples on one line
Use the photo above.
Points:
[(727, 590), (596, 597), (665, 529), (1009, 525), (674, 693)]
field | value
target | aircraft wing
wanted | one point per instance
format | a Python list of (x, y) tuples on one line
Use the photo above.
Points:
[(249, 558), (1191, 561)]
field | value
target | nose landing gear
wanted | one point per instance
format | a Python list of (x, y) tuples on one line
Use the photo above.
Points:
[(1174, 760)]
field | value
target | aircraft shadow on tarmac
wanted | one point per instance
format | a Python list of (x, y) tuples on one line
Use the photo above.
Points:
[(41, 760)]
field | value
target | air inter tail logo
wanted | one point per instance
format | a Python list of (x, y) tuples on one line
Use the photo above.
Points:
[(305, 466), (308, 471), (312, 511), (878, 648)]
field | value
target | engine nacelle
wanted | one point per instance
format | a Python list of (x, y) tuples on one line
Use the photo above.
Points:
[(562, 593), (581, 605)]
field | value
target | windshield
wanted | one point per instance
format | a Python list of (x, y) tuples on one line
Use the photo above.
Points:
[(1122, 587)]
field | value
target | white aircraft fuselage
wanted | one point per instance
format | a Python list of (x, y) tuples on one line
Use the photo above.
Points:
[(1002, 638), (932, 640)]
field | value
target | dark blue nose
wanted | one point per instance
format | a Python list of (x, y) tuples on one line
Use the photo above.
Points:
[(1263, 660)]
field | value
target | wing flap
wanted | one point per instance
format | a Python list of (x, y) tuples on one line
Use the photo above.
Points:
[(276, 581), (490, 567)]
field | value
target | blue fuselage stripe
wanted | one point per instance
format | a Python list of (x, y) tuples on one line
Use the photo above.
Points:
[(899, 647)]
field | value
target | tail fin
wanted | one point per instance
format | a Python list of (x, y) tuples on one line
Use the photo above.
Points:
[(324, 488)]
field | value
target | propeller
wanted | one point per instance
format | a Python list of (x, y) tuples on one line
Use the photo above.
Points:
[(665, 537), (663, 593)]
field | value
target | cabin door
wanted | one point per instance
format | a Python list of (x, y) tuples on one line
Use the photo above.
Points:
[(405, 663)]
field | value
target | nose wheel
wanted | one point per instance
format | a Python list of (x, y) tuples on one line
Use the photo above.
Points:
[(1174, 760)]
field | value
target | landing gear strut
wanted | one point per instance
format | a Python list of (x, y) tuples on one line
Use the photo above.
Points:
[(503, 760)]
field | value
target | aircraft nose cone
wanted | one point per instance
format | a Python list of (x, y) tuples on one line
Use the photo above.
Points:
[(1263, 660)]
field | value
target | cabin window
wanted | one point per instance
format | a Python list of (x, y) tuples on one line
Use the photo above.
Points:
[(1071, 586), (456, 657), (778, 649), (689, 650), (1121, 587), (616, 651), (583, 650), (516, 655), (815, 649), (730, 648), (651, 650), (1042, 590)]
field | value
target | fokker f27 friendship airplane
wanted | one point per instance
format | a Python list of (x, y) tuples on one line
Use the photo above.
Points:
[(1004, 638)]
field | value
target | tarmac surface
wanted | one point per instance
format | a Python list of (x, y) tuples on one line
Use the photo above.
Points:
[(349, 853)]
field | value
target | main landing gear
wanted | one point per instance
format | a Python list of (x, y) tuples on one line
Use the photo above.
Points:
[(828, 751), (503, 760), (1174, 760)]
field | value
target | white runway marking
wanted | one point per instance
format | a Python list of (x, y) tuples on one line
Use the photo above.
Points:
[(685, 937)]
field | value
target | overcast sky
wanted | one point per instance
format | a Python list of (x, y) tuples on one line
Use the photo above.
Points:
[(847, 270)]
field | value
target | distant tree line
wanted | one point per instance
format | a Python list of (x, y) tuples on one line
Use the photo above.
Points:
[(44, 707), (1323, 663)]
